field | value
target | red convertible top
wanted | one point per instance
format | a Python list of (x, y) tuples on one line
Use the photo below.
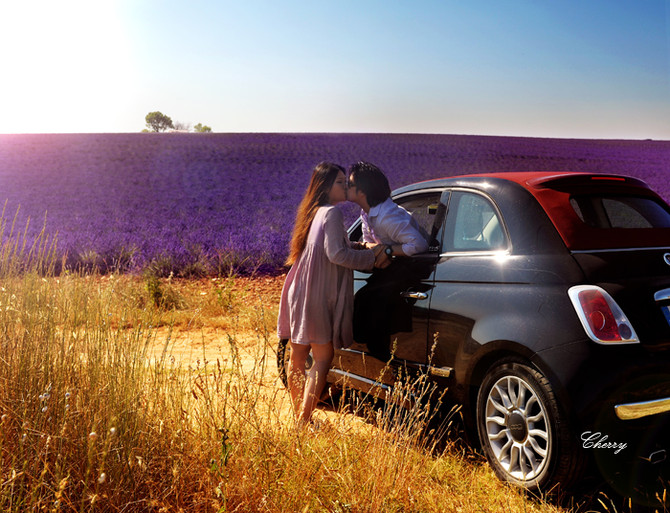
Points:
[(554, 190)]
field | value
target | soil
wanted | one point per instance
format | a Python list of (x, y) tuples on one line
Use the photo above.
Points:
[(211, 338), (211, 342)]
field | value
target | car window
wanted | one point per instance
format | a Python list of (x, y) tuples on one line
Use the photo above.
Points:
[(620, 212), (473, 224), (423, 208)]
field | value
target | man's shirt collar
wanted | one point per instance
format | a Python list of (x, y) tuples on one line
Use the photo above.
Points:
[(377, 209)]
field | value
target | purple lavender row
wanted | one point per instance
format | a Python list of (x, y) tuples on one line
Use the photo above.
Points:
[(193, 204)]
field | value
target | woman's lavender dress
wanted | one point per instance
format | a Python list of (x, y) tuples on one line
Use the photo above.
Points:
[(317, 300)]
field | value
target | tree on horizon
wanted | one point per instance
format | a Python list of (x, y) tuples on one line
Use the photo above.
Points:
[(158, 122), (202, 128)]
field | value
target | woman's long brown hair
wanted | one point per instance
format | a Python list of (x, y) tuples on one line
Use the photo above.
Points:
[(323, 178)]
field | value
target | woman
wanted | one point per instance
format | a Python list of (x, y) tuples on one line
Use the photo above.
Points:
[(316, 306)]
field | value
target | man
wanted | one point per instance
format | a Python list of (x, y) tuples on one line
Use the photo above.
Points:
[(384, 222), (379, 310)]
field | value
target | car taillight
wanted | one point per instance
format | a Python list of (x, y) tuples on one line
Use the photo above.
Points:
[(603, 320)]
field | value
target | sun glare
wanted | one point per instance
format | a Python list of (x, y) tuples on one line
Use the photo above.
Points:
[(63, 63)]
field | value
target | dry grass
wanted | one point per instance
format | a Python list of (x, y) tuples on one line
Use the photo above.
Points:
[(114, 397)]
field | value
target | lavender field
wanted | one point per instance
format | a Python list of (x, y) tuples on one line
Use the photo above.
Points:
[(196, 204)]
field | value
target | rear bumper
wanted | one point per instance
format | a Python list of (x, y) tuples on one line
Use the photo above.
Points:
[(631, 411), (622, 399)]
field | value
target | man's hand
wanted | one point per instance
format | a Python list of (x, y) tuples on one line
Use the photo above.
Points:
[(382, 260)]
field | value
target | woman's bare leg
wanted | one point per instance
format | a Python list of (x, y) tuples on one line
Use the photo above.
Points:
[(296, 375), (322, 354)]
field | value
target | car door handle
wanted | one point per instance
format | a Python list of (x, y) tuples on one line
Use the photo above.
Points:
[(410, 294)]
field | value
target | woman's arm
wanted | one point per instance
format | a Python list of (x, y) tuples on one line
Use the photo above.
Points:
[(337, 247)]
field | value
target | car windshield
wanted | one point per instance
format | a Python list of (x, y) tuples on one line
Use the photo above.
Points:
[(632, 212)]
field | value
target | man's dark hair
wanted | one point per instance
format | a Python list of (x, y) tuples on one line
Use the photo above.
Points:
[(370, 180)]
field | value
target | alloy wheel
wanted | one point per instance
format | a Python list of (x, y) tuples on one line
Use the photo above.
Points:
[(517, 428)]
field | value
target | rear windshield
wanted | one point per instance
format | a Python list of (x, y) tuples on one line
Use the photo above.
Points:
[(632, 212)]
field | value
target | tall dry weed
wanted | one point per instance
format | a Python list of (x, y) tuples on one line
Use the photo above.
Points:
[(98, 414)]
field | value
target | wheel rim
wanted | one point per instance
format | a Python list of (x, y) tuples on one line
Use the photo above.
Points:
[(518, 428)]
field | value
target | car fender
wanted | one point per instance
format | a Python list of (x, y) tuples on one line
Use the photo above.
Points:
[(502, 336)]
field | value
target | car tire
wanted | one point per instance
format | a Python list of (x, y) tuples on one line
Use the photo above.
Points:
[(522, 431), (329, 394), (283, 355)]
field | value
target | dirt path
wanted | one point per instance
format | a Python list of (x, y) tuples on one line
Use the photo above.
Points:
[(207, 344), (222, 312), (215, 340)]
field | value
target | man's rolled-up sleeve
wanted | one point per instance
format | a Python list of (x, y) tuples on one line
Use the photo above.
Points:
[(403, 231)]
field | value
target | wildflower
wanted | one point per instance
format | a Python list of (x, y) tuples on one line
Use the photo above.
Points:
[(102, 478), (93, 436), (112, 431)]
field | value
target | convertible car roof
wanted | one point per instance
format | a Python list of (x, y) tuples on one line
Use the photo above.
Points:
[(553, 191)]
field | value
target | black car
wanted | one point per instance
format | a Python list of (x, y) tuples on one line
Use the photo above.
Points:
[(543, 305)]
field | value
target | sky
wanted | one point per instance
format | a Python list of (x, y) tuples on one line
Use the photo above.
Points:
[(534, 68)]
